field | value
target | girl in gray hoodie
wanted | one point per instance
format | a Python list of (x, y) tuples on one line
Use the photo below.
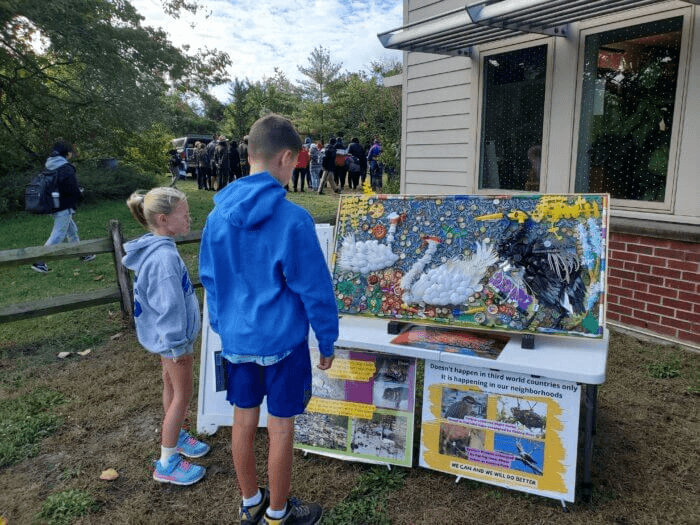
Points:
[(166, 313)]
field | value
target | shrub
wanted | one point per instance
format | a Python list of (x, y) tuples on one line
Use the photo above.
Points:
[(112, 184)]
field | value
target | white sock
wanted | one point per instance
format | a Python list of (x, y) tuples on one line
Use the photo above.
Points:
[(276, 514), (165, 453), (251, 502)]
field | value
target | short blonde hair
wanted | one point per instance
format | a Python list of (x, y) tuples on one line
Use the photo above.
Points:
[(145, 205)]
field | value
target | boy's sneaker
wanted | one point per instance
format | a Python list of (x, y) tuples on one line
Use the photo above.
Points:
[(86, 258), (298, 513), (178, 471), (252, 515), (190, 447), (40, 267)]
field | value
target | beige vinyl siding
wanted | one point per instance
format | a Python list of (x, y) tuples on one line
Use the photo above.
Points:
[(438, 129)]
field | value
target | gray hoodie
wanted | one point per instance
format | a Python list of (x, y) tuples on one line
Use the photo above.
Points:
[(166, 309)]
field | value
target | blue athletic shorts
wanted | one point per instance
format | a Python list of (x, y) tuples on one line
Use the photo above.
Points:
[(287, 384)]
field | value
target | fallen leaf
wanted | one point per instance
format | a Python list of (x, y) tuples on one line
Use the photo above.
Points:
[(109, 474), (63, 355), (3, 521), (116, 336), (85, 352), (98, 278)]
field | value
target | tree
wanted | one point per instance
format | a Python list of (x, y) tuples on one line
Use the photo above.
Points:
[(87, 71), (239, 114), (322, 74)]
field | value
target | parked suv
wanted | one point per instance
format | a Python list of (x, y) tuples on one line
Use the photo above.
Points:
[(185, 148)]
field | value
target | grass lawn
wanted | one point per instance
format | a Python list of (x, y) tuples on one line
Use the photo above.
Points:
[(64, 421)]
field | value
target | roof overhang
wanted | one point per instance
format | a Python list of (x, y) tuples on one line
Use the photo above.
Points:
[(456, 32)]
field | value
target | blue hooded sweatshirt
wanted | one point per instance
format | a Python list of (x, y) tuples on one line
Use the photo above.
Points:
[(166, 309), (264, 272)]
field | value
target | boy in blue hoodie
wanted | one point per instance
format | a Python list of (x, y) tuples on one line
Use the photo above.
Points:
[(266, 280)]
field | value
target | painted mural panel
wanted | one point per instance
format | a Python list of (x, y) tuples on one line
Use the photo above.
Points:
[(518, 263)]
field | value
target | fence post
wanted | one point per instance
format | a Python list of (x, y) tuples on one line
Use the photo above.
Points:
[(123, 277)]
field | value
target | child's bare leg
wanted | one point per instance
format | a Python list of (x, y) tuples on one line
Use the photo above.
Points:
[(279, 461), (177, 393), (245, 423)]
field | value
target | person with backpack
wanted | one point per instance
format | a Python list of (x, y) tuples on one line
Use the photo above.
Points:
[(234, 161), (375, 169), (212, 165), (69, 194), (315, 158), (221, 162), (243, 154), (357, 165), (328, 164), (201, 165)]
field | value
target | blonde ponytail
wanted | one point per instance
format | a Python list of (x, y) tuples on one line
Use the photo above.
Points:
[(144, 206)]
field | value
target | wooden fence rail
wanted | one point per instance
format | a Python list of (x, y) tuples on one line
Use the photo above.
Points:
[(121, 293)]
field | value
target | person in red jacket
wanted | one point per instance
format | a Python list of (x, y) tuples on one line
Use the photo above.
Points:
[(302, 168)]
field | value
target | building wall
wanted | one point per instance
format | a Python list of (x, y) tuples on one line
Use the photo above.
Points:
[(654, 286), (440, 149)]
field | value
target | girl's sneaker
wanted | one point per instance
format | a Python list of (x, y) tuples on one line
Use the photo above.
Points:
[(190, 447), (178, 471)]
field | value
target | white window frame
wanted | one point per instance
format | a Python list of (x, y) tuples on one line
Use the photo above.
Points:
[(634, 18), (496, 49)]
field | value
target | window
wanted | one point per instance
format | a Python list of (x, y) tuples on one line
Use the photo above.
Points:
[(513, 119), (627, 110)]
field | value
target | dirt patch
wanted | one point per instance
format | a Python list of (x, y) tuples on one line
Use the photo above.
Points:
[(645, 464)]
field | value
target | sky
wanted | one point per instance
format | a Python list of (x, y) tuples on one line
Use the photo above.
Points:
[(260, 35)]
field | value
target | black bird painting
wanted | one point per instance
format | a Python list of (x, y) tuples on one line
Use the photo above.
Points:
[(549, 268)]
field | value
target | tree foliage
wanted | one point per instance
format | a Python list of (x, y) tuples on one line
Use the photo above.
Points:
[(87, 71)]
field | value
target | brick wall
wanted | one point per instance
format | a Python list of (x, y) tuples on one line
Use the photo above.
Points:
[(654, 285)]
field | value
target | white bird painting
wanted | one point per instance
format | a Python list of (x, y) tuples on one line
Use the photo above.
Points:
[(371, 255), (451, 283)]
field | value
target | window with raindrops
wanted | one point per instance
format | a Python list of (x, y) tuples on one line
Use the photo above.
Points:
[(523, 263), (513, 119), (627, 107)]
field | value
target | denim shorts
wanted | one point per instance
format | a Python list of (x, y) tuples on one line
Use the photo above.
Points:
[(287, 384)]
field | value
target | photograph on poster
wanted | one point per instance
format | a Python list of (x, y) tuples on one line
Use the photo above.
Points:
[(516, 263), (527, 417), (383, 436), (528, 455), (458, 404), (481, 344), (362, 408), (458, 440), (321, 430)]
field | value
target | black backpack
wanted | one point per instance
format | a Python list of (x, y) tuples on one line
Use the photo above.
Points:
[(328, 162), (37, 194)]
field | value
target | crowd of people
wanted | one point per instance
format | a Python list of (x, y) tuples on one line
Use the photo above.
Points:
[(222, 161)]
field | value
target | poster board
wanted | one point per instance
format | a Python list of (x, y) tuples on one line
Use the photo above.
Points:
[(516, 263), (213, 410), (362, 408), (513, 430)]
